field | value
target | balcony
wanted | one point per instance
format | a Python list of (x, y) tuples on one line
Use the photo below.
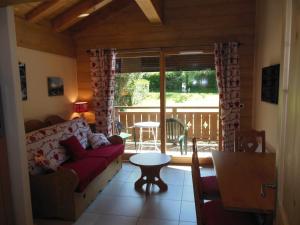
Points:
[(201, 122)]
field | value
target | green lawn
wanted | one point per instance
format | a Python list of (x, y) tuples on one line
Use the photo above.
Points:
[(182, 99)]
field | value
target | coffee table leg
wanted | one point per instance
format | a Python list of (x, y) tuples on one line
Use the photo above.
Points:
[(150, 175)]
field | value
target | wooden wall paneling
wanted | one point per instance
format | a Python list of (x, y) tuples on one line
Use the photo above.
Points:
[(184, 26), (42, 38), (15, 2), (22, 9), (42, 10)]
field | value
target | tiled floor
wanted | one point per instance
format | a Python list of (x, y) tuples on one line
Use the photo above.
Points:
[(120, 204)]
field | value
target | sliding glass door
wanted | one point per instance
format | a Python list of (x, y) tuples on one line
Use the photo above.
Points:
[(137, 103), (192, 102), (162, 101)]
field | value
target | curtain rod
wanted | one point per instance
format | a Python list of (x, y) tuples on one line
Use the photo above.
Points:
[(206, 48), (170, 48)]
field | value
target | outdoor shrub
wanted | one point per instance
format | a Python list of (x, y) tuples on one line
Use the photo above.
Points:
[(133, 88), (130, 89), (140, 91)]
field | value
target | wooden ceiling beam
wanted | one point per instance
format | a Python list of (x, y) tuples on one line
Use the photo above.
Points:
[(4, 3), (43, 10), (102, 16), (152, 10), (72, 16)]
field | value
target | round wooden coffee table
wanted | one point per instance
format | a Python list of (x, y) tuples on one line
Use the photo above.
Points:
[(150, 164)]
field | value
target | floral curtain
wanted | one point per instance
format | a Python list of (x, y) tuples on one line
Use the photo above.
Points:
[(228, 81), (102, 67)]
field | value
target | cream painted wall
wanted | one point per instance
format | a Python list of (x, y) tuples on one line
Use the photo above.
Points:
[(39, 66), (268, 52)]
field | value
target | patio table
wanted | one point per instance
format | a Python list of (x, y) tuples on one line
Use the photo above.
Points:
[(153, 126)]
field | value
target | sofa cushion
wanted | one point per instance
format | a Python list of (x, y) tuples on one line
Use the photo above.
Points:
[(44, 142), (74, 148), (45, 163), (80, 129), (109, 152), (47, 140), (97, 140), (86, 169), (210, 186)]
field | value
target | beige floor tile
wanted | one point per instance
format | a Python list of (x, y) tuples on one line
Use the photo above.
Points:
[(87, 219), (188, 212), (116, 205), (115, 220), (128, 190), (188, 193), (173, 170), (112, 189), (122, 176), (161, 209), (171, 179), (174, 192), (156, 222), (188, 179)]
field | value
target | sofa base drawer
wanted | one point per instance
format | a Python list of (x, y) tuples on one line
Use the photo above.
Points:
[(82, 200)]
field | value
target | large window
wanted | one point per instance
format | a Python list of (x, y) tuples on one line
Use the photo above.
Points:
[(191, 107)]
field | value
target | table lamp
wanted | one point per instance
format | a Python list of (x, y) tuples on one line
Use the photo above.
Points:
[(81, 107)]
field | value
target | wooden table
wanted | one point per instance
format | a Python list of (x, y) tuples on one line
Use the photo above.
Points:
[(240, 176), (150, 164)]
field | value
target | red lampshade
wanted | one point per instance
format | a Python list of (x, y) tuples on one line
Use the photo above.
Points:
[(80, 107)]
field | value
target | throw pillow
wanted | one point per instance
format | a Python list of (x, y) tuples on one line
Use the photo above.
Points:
[(46, 164), (74, 148), (97, 139)]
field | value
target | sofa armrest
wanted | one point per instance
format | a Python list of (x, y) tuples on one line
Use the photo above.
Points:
[(116, 139), (53, 193)]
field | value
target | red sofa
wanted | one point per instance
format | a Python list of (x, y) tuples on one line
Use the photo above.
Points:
[(66, 192)]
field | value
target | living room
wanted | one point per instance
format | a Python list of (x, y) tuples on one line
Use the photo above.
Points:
[(53, 41)]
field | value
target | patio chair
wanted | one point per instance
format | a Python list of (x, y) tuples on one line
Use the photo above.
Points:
[(176, 132), (120, 130)]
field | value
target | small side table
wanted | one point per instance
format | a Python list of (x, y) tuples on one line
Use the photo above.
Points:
[(150, 164)]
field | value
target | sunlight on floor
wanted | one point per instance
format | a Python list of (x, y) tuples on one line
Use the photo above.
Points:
[(120, 204)]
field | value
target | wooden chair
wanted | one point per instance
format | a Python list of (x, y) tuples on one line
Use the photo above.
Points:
[(176, 132), (248, 141), (210, 189), (212, 212), (32, 125)]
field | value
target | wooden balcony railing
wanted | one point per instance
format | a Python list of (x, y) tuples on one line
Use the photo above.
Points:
[(202, 122)]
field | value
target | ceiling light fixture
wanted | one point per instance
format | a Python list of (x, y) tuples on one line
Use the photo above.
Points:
[(83, 15)]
